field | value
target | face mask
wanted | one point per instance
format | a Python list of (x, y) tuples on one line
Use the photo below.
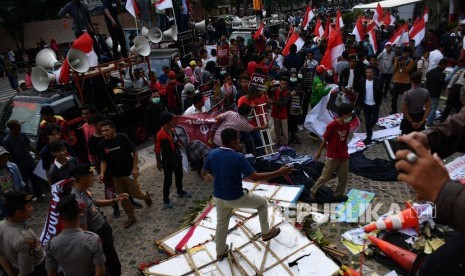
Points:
[(299, 76), (155, 100), (293, 79), (347, 120)]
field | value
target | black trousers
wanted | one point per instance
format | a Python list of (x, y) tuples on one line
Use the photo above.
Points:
[(386, 82), (371, 114), (117, 36), (168, 170), (452, 102), (449, 259), (112, 264), (398, 89), (27, 175)]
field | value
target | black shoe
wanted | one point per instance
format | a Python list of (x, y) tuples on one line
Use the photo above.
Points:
[(135, 204), (116, 211), (148, 201), (343, 198), (367, 141), (184, 194)]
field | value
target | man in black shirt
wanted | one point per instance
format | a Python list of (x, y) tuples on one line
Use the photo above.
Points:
[(111, 9), (63, 164), (119, 157), (435, 83)]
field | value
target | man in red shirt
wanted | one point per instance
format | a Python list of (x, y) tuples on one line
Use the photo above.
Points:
[(173, 96), (337, 156), (279, 111)]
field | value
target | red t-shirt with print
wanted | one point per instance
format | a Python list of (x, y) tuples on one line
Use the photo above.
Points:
[(336, 135)]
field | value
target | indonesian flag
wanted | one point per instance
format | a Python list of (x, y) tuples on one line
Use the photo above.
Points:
[(293, 39), (132, 8), (86, 44), (425, 15), (372, 38), (318, 31), (259, 31), (378, 16), (308, 17), (339, 22), (401, 36), (389, 20), (327, 25), (164, 4), (418, 31), (333, 50), (358, 30)]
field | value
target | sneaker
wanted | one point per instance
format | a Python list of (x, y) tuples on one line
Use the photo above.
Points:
[(148, 201), (129, 223), (342, 198), (184, 194), (367, 141), (167, 205), (273, 233), (219, 258), (116, 211), (136, 205)]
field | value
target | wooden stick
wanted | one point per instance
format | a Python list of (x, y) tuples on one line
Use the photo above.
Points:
[(275, 192), (238, 265), (248, 235), (334, 251), (211, 258), (280, 261), (190, 261), (267, 248), (250, 263), (146, 272), (230, 262)]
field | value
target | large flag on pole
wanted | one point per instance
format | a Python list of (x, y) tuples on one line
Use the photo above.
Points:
[(319, 31), (132, 8), (293, 39), (308, 17), (259, 31), (163, 4), (425, 14), (389, 20), (86, 44), (372, 38), (327, 25), (339, 22), (418, 31), (358, 31), (334, 50), (378, 15), (401, 36)]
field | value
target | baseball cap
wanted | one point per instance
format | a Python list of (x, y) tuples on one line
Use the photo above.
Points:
[(21, 82), (388, 43), (3, 151), (17, 197), (12, 123), (452, 34), (189, 88), (192, 63)]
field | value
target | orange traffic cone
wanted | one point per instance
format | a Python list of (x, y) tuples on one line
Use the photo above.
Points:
[(348, 271), (405, 219), (401, 256)]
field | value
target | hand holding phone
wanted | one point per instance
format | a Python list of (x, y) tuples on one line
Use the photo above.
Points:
[(392, 146)]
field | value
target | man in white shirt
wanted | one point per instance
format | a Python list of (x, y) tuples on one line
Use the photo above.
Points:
[(435, 56), (197, 106), (279, 59), (369, 98)]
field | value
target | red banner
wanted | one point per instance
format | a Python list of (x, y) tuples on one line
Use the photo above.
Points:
[(222, 55), (198, 127)]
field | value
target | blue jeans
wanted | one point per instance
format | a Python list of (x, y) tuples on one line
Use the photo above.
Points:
[(432, 113)]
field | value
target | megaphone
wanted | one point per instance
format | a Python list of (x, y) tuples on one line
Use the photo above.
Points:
[(200, 25), (172, 33), (109, 43), (41, 79), (141, 46), (46, 58), (144, 32), (78, 60), (155, 35)]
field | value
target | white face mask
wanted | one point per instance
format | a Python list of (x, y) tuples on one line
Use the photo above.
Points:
[(299, 76), (293, 79)]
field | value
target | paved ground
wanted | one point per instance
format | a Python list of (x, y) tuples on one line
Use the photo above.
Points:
[(137, 244)]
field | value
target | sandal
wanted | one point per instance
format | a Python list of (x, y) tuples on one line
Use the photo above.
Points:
[(219, 258), (273, 233)]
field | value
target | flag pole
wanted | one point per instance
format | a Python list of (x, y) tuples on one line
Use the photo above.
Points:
[(174, 16)]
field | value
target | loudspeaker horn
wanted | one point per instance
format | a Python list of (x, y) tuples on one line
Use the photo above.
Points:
[(155, 35), (41, 79), (172, 33), (144, 32), (78, 60), (47, 58), (200, 25), (141, 46), (109, 43)]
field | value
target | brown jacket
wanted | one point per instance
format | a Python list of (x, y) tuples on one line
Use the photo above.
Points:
[(402, 70), (450, 203)]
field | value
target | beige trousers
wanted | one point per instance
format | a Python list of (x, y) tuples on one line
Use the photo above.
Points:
[(281, 126), (127, 185), (341, 167)]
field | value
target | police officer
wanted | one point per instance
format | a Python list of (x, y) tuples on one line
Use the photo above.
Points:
[(20, 250), (76, 251), (92, 217)]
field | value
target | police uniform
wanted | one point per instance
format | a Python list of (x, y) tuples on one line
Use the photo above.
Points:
[(19, 244), (96, 222)]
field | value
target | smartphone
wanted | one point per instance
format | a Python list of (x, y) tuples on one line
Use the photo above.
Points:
[(392, 146)]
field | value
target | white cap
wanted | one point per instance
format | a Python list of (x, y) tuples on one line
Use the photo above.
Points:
[(21, 82), (462, 22)]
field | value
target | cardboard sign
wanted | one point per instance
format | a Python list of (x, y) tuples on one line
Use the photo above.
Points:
[(222, 55), (261, 82)]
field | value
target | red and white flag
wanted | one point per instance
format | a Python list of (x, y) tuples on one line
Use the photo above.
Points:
[(425, 14), (389, 20), (401, 36), (358, 31), (372, 38), (339, 22), (418, 31), (163, 4), (308, 17), (86, 44), (132, 8), (293, 39), (334, 50), (327, 25), (378, 16), (259, 31), (318, 31)]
